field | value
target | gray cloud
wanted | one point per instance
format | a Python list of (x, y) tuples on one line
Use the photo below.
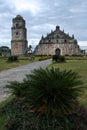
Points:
[(42, 17)]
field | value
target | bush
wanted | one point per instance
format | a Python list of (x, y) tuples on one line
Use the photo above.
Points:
[(74, 55), (58, 58), (44, 85), (55, 58), (12, 59), (18, 89), (61, 58), (45, 58), (20, 118)]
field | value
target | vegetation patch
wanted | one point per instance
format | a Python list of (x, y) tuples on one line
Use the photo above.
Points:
[(12, 59), (4, 65), (79, 66), (44, 58), (20, 117), (47, 100), (58, 58)]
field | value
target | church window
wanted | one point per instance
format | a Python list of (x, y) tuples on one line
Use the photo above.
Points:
[(65, 40), (49, 40), (57, 36), (17, 24), (16, 33)]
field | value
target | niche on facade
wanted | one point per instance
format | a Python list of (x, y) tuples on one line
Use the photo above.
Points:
[(65, 40), (57, 51), (17, 24), (16, 33)]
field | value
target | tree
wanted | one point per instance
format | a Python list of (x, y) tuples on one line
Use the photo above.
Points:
[(5, 51), (30, 50)]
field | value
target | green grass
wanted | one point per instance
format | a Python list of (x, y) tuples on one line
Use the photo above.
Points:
[(4, 65), (79, 66)]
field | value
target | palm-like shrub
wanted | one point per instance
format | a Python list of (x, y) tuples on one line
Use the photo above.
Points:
[(49, 91), (52, 91), (17, 88)]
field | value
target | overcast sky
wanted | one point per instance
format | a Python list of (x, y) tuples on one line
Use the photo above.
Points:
[(42, 16)]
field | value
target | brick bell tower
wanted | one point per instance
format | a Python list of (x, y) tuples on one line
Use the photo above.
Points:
[(19, 42)]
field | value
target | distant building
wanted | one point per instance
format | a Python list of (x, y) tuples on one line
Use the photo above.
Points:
[(57, 42), (19, 36)]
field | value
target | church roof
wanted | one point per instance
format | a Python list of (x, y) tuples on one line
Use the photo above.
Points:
[(60, 34), (57, 34)]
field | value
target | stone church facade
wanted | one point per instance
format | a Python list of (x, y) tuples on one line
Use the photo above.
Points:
[(57, 40), (19, 42)]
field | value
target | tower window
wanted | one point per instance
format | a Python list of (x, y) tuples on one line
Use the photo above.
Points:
[(65, 40), (57, 36), (57, 41), (16, 33), (17, 24), (49, 40)]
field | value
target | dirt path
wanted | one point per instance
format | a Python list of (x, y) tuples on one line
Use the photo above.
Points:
[(18, 74)]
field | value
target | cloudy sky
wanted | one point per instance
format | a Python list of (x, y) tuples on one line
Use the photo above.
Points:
[(42, 16)]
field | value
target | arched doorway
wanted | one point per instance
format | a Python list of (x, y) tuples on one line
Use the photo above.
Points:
[(57, 51)]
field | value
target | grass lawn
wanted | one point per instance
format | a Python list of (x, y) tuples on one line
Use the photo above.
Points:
[(4, 65), (79, 66)]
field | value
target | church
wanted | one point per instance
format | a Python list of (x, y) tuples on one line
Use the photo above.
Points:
[(56, 41)]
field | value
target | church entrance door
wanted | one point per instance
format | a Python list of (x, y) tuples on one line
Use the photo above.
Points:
[(57, 51)]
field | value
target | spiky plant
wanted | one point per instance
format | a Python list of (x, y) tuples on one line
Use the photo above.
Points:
[(51, 91), (17, 88)]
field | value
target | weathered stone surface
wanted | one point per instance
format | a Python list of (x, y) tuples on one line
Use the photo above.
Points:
[(57, 40), (19, 36)]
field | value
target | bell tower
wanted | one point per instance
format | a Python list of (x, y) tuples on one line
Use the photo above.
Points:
[(19, 42)]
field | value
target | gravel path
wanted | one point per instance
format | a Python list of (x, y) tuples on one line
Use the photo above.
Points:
[(18, 74)]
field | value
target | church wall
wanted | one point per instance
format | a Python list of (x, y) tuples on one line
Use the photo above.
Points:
[(49, 49), (57, 39)]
